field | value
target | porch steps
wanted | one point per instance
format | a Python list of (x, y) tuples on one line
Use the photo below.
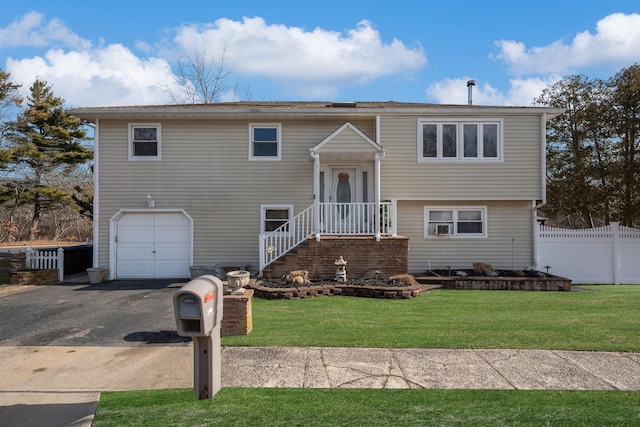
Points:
[(285, 264), (365, 257)]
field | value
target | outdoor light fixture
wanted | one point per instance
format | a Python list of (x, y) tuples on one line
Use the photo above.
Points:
[(150, 202)]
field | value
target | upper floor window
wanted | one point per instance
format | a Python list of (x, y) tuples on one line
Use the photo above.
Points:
[(265, 141), (463, 221), (455, 139), (144, 141)]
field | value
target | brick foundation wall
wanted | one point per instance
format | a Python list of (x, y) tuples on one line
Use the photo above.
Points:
[(364, 255), (237, 316)]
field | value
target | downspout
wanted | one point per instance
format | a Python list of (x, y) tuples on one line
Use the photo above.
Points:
[(316, 192), (543, 186), (543, 137), (96, 193)]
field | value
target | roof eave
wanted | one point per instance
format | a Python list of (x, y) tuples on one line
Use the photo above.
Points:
[(91, 114)]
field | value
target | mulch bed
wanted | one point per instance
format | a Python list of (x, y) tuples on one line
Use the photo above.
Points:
[(408, 286)]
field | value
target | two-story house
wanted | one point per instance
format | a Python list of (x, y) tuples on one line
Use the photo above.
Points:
[(393, 187)]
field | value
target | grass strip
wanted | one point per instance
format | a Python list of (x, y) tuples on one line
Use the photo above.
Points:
[(606, 319), (368, 407)]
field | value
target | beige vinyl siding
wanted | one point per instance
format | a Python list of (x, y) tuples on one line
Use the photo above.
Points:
[(517, 176), (507, 220), (205, 170)]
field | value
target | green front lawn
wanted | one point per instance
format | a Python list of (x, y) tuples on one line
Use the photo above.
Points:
[(605, 319), (364, 407)]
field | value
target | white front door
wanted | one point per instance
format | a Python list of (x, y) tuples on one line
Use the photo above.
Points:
[(153, 245)]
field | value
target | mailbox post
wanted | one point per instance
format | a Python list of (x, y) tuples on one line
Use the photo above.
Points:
[(198, 310)]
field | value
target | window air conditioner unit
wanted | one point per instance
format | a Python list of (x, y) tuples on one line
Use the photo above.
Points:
[(443, 229)]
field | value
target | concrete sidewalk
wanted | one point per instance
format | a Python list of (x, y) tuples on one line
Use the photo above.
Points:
[(61, 385)]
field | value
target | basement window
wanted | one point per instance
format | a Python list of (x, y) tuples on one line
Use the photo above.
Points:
[(273, 217), (463, 221)]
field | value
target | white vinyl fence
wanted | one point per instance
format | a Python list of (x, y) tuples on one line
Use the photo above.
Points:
[(603, 255), (46, 259)]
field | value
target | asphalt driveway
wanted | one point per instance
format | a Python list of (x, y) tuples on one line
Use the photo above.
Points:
[(117, 313)]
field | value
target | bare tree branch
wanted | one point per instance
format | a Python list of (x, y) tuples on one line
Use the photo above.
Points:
[(202, 78)]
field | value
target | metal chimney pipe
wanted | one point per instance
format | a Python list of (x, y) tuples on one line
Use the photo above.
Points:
[(470, 85)]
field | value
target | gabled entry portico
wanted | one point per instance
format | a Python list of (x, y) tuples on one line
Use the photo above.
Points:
[(347, 184), (346, 195)]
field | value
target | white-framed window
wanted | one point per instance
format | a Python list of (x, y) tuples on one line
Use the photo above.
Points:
[(265, 141), (459, 221), (460, 139), (272, 217), (145, 141)]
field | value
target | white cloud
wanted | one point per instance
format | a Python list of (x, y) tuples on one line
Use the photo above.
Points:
[(616, 43), (521, 92), (112, 75), (309, 64), (32, 30), (320, 58)]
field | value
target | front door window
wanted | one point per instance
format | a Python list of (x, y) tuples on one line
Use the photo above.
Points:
[(343, 193)]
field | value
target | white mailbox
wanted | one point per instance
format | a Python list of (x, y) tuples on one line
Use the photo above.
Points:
[(198, 310), (198, 307)]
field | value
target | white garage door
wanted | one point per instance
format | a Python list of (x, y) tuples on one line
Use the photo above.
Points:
[(153, 245)]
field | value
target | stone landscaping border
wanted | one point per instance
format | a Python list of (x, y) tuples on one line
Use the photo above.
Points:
[(33, 277), (368, 291), (550, 283)]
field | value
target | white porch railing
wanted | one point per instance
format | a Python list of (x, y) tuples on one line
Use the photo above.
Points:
[(336, 219), (355, 219), (286, 237), (46, 259)]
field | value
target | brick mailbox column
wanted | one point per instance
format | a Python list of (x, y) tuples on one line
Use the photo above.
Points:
[(237, 318)]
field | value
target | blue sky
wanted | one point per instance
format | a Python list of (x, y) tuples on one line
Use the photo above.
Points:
[(123, 52)]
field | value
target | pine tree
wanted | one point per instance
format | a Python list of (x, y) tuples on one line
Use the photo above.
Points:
[(46, 146), (9, 98)]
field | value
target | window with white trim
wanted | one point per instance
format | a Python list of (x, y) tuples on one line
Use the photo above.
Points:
[(265, 141), (272, 217), (145, 141), (456, 139), (462, 221)]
